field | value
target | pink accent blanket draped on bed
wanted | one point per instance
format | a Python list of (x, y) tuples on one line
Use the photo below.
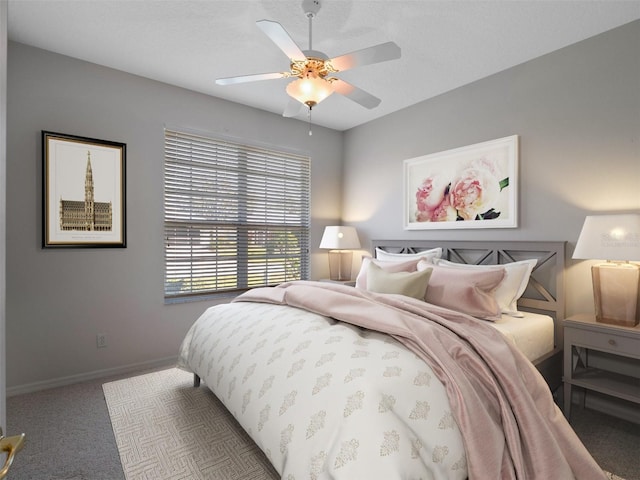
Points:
[(510, 425)]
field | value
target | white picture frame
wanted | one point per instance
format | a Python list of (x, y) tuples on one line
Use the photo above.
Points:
[(475, 186)]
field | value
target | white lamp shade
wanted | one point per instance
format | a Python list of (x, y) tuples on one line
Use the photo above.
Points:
[(310, 90), (340, 238), (609, 237)]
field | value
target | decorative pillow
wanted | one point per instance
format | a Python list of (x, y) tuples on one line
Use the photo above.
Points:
[(468, 291), (390, 266), (388, 256), (411, 284), (512, 287)]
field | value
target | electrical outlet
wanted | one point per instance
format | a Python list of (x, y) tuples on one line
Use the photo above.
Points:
[(101, 340)]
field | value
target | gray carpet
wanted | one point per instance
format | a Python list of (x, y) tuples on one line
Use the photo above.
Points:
[(69, 436), (613, 442)]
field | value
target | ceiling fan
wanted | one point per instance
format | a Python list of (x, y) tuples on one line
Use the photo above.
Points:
[(313, 69)]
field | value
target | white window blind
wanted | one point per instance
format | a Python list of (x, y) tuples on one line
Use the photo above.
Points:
[(235, 216)]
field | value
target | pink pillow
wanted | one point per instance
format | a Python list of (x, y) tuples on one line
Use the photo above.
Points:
[(389, 266), (468, 291), (512, 287)]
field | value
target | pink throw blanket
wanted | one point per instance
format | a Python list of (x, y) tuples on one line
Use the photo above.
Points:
[(510, 425)]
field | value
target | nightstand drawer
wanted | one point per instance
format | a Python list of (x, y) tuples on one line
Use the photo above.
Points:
[(605, 342)]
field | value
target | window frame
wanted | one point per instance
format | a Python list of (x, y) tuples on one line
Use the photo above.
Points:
[(268, 228)]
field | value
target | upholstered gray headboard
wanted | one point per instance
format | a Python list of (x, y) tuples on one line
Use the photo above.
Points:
[(545, 292)]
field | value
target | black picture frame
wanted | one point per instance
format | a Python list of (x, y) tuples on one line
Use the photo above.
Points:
[(83, 192)]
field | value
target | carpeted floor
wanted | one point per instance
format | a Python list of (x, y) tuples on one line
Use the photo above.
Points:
[(613, 442), (70, 437)]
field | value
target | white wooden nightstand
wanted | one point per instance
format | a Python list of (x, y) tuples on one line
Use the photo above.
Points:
[(582, 334)]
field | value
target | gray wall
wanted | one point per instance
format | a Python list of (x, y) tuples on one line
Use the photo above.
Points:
[(58, 300), (577, 112)]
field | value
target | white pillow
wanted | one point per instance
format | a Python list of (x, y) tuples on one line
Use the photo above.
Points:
[(387, 256), (512, 286)]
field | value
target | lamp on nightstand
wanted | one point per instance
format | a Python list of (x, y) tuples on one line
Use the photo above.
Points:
[(616, 283), (340, 241)]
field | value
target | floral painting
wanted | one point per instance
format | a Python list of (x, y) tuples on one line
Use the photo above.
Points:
[(468, 187)]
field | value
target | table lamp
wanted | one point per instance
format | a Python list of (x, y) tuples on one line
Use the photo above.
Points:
[(340, 241), (616, 283)]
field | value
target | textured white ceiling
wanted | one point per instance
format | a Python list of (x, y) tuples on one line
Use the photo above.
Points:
[(189, 43)]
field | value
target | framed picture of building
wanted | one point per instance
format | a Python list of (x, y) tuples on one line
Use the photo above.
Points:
[(84, 191)]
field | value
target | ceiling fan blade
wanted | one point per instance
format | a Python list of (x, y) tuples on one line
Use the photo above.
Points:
[(292, 109), (250, 78), (281, 38), (366, 56), (356, 94)]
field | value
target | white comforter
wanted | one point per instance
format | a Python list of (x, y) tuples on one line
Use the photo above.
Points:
[(325, 399)]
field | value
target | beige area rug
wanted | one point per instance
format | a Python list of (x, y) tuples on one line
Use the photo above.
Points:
[(168, 430)]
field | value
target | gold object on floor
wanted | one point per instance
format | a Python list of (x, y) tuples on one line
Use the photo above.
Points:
[(10, 445)]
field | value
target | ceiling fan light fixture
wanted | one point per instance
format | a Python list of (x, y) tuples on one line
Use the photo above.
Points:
[(312, 67), (310, 90)]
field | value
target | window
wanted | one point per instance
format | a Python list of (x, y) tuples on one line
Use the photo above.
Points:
[(235, 216)]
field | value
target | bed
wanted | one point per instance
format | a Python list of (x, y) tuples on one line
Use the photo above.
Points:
[(340, 382), (542, 301)]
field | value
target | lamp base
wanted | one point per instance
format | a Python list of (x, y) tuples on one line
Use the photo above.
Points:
[(340, 265), (616, 292)]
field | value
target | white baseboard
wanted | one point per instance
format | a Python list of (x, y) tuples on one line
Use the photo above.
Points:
[(83, 377)]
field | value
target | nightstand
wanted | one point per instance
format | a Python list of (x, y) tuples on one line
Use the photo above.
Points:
[(348, 283), (581, 335)]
